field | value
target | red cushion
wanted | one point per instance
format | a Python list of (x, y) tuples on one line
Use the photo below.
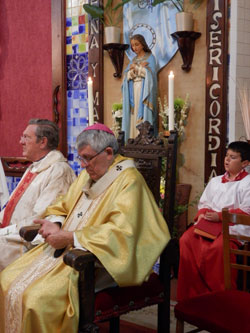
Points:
[(223, 312), (113, 302)]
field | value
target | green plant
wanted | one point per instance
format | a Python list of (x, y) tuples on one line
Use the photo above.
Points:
[(117, 118), (178, 106), (179, 4), (181, 110), (110, 15), (116, 106)]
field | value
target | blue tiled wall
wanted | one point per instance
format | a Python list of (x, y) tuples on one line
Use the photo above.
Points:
[(77, 73), (12, 183)]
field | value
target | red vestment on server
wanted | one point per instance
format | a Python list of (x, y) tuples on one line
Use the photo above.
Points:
[(201, 260)]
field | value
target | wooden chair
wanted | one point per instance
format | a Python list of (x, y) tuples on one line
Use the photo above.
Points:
[(15, 166), (107, 305), (222, 311)]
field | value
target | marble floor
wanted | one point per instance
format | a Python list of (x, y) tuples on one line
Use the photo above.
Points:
[(147, 317)]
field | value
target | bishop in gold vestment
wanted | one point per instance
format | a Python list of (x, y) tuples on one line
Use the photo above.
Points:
[(114, 216)]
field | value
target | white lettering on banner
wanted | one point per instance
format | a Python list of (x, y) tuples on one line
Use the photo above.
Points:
[(213, 159), (93, 43), (94, 39), (215, 74), (96, 99), (96, 102), (214, 56), (94, 65), (216, 5), (214, 38), (212, 138), (216, 108), (213, 174), (96, 116), (215, 16), (214, 89), (94, 27), (214, 126)]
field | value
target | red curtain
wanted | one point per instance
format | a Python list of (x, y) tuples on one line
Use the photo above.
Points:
[(25, 68)]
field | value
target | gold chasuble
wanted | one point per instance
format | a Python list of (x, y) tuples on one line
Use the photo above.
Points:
[(122, 226)]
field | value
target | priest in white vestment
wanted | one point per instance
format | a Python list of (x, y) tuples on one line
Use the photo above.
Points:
[(108, 210), (48, 177)]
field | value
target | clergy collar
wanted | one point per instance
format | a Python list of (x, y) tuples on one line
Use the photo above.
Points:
[(41, 158), (242, 174), (93, 189)]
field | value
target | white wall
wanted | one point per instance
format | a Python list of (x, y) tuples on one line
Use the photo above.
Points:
[(239, 70)]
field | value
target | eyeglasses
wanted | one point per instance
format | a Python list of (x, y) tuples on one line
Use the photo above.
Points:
[(86, 160)]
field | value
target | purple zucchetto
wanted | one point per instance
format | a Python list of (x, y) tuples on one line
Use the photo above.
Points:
[(99, 127)]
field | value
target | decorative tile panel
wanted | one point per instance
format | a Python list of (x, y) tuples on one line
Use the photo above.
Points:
[(77, 71), (77, 74)]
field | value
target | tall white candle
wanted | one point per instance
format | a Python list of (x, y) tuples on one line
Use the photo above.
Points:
[(171, 101), (90, 101)]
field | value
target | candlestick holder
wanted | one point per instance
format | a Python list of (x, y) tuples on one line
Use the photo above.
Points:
[(116, 54), (186, 43)]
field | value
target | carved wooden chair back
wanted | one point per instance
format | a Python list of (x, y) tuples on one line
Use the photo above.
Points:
[(15, 166), (10, 167), (156, 160)]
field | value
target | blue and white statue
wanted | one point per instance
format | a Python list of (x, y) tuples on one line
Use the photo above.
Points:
[(139, 89)]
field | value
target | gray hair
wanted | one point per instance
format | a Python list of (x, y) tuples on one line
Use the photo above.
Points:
[(46, 128), (97, 140)]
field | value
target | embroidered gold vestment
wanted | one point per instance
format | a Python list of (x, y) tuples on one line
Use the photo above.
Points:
[(124, 229)]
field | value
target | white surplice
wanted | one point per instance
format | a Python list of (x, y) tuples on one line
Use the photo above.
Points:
[(231, 195)]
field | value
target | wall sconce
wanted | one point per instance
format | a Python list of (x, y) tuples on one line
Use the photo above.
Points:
[(186, 44), (116, 54)]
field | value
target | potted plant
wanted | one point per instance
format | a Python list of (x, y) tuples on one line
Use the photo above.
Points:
[(110, 16), (181, 111), (184, 18)]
